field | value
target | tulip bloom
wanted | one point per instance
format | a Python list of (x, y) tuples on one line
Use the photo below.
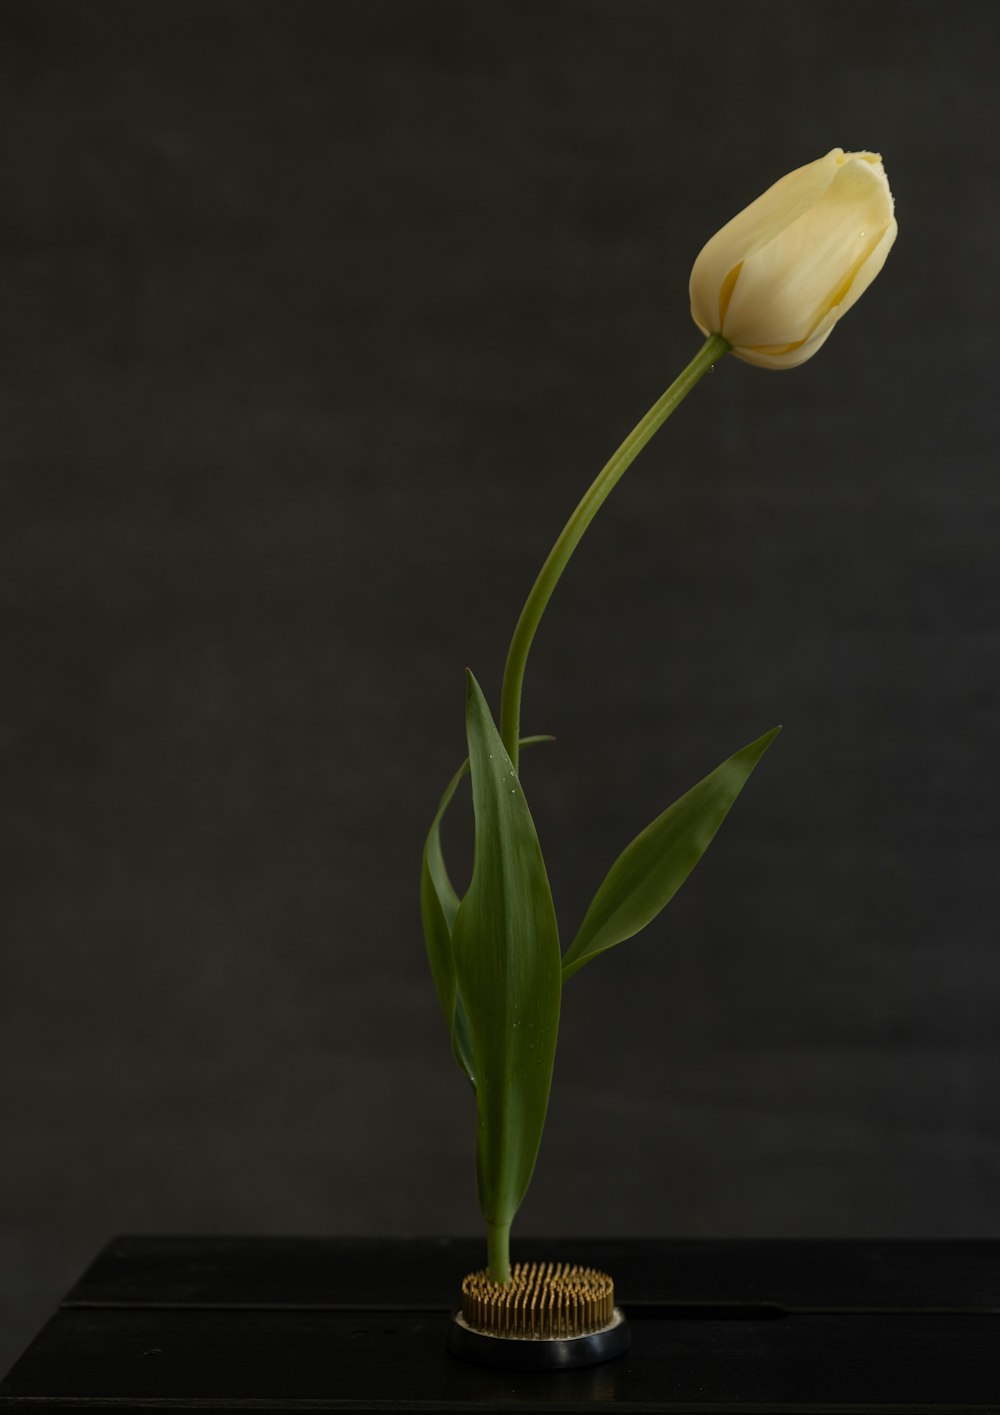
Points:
[(775, 280)]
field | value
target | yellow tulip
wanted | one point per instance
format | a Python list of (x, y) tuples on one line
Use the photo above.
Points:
[(775, 280)]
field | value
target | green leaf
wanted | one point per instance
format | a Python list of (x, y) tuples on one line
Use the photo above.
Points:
[(650, 871), (508, 967), (438, 907)]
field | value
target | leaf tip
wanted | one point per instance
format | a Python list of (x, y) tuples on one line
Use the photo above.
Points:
[(758, 748)]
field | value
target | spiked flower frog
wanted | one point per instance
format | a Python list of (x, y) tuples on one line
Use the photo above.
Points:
[(770, 286)]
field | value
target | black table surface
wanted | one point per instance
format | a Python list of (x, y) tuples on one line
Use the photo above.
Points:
[(341, 1324)]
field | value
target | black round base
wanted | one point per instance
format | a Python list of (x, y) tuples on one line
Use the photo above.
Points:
[(538, 1353)]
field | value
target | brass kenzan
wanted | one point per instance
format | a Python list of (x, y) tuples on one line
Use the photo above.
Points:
[(540, 1300)]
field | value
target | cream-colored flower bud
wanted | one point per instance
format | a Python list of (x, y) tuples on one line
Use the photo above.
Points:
[(775, 280)]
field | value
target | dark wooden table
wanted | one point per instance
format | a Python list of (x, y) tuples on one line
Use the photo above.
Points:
[(266, 1324)]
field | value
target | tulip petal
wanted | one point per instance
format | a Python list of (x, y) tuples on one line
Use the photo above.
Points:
[(787, 356), (752, 229), (791, 355), (863, 277), (788, 286)]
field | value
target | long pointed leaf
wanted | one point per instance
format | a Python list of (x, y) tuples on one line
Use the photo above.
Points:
[(650, 871), (438, 907), (508, 966)]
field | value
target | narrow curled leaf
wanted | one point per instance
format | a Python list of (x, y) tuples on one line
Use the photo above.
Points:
[(650, 871), (438, 906), (508, 970)]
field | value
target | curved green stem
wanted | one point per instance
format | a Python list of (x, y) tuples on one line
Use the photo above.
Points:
[(572, 533)]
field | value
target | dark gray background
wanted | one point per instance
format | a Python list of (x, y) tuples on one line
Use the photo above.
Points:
[(316, 320)]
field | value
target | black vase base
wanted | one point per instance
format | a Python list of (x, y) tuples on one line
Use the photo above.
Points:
[(538, 1353)]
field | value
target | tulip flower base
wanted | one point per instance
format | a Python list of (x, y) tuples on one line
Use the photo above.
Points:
[(274, 1325)]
